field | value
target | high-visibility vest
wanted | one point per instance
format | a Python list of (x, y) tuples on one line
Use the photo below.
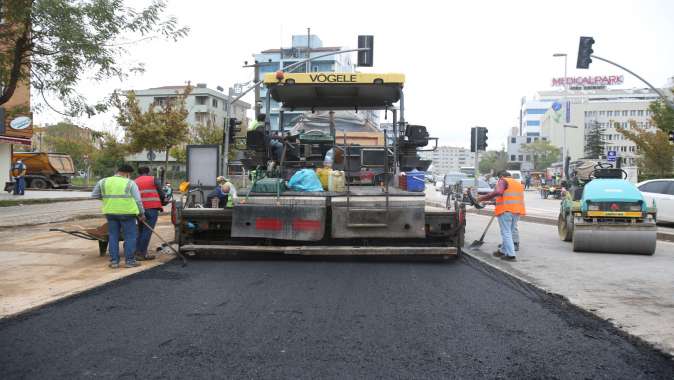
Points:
[(117, 198), (512, 199), (148, 192)]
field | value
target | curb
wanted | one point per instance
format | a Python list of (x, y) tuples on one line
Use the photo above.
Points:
[(562, 300), (21, 202), (663, 236)]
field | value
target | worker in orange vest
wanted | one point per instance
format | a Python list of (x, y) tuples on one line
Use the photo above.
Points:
[(152, 196), (509, 194)]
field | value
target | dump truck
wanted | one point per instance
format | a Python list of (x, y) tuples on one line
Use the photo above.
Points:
[(373, 217), (46, 170), (603, 212)]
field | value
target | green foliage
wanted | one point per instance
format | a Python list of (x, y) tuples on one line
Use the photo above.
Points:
[(68, 138), (159, 128), (493, 161), (108, 157), (663, 116), (544, 154), (53, 43), (656, 154), (595, 142)]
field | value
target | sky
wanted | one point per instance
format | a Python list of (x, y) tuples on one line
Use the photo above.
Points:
[(467, 63)]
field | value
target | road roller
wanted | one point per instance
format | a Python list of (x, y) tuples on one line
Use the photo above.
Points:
[(603, 212)]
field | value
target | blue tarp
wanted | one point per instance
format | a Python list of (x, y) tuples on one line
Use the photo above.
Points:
[(305, 180)]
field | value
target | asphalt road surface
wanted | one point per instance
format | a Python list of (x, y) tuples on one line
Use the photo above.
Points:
[(319, 319)]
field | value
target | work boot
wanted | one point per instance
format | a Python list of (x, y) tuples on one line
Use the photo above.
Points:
[(509, 258), (132, 264), (517, 246), (498, 253), (145, 257), (113, 265)]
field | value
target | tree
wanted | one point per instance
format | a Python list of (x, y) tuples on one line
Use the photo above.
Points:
[(108, 156), (663, 116), (543, 153), (595, 141), (65, 137), (493, 161), (656, 154), (53, 43), (202, 133), (159, 128)]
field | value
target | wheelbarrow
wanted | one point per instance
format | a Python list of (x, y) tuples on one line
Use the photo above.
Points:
[(99, 234)]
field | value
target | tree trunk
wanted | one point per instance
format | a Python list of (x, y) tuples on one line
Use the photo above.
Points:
[(163, 179), (20, 48)]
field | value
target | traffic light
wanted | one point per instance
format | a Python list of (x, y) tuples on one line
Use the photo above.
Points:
[(585, 52), (233, 123), (671, 136), (365, 56), (478, 138), (473, 137), (482, 138)]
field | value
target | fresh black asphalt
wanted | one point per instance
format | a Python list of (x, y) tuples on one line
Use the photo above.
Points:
[(319, 319)]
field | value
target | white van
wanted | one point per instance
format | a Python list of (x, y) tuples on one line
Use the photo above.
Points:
[(516, 174)]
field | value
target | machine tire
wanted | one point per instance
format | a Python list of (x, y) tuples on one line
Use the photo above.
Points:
[(564, 227), (38, 183)]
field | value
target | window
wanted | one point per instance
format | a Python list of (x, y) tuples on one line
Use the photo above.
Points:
[(535, 138), (528, 140), (624, 113), (215, 103), (640, 113), (201, 117), (602, 113), (609, 113), (520, 158), (201, 100), (544, 138), (513, 140), (658, 187), (633, 112), (512, 157), (528, 157)]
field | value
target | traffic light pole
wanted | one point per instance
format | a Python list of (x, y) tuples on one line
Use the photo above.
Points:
[(477, 163), (667, 101)]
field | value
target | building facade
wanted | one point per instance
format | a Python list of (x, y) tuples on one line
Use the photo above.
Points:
[(447, 159), (16, 128), (303, 47), (205, 105), (565, 117)]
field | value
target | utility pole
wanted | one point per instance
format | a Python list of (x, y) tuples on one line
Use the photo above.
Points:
[(564, 99), (308, 67)]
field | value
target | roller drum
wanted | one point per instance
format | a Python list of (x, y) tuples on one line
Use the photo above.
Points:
[(636, 239)]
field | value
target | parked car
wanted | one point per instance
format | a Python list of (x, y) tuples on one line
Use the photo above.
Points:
[(662, 192), (450, 180), (482, 185)]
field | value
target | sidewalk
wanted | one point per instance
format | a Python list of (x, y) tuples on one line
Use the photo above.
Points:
[(46, 194), (634, 292), (33, 214), (39, 267)]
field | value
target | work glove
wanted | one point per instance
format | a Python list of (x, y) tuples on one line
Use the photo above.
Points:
[(141, 218)]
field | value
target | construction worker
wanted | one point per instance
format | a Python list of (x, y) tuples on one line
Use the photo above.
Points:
[(509, 194), (121, 206), (152, 196), (258, 122), (19, 174), (276, 146), (227, 188)]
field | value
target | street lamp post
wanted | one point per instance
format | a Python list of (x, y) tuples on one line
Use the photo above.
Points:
[(564, 100)]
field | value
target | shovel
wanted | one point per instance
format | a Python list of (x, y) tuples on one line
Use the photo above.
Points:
[(478, 243), (167, 243)]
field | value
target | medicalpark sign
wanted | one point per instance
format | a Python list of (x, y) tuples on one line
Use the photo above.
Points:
[(589, 82)]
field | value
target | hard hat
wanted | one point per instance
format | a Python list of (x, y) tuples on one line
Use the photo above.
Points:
[(184, 186)]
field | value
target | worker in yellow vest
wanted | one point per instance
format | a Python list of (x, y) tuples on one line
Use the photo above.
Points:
[(509, 194), (122, 204)]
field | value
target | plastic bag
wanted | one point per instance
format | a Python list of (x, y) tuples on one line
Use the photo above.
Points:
[(329, 158), (305, 180)]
